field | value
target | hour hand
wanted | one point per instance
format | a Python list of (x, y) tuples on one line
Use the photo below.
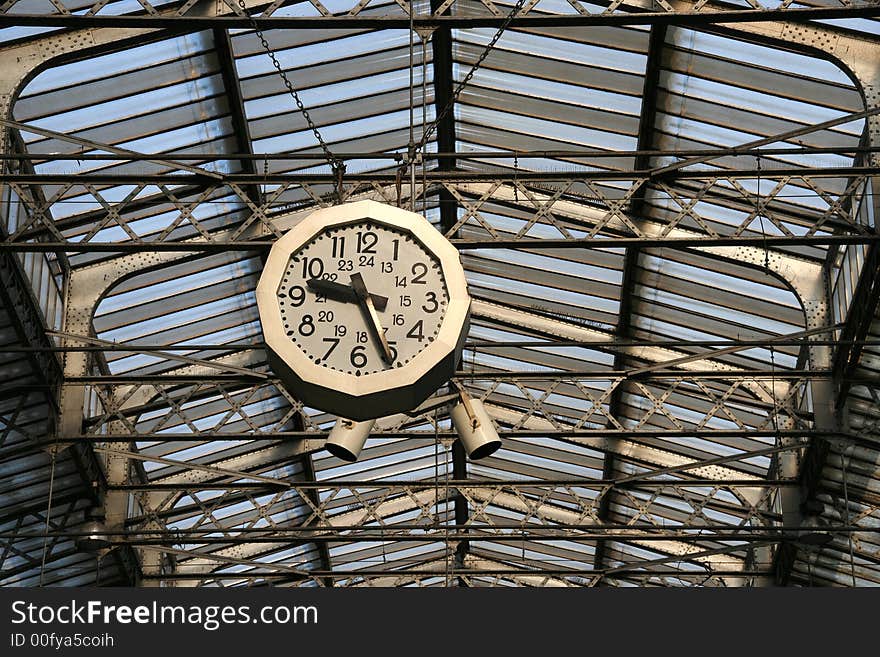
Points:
[(366, 302), (340, 292)]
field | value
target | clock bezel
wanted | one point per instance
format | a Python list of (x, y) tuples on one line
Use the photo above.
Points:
[(448, 340)]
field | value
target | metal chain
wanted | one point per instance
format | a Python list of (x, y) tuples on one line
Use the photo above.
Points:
[(467, 78), (515, 177), (336, 164)]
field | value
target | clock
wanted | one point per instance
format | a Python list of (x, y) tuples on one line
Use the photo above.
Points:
[(364, 308)]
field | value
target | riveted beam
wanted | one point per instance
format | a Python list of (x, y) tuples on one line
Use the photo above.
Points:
[(442, 63), (623, 330)]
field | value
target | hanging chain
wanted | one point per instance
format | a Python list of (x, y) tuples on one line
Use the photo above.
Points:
[(467, 78), (336, 164), (516, 176)]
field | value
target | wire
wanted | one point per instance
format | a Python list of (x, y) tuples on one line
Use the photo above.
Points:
[(48, 516)]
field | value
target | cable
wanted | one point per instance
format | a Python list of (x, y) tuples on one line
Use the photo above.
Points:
[(48, 516)]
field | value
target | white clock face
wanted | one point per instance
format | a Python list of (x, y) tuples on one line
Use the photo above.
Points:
[(349, 286)]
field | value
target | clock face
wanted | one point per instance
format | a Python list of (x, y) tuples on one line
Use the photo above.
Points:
[(353, 289)]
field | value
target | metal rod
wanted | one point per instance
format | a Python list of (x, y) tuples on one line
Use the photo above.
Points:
[(99, 178), (482, 344), (432, 533), (45, 132), (599, 434), (550, 375), (171, 157), (599, 344), (465, 483), (617, 573)]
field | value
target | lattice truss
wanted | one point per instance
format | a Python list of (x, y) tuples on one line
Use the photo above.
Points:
[(673, 319), (349, 9)]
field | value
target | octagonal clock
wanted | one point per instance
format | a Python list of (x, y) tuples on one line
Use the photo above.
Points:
[(364, 308)]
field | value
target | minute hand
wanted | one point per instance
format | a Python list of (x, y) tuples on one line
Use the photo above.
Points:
[(366, 303), (343, 292)]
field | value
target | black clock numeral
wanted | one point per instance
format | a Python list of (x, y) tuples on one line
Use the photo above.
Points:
[(417, 331), (335, 343), (431, 304), (419, 270), (387, 267), (361, 336), (396, 244), (325, 315), (345, 265), (312, 268), (405, 301), (306, 326), (297, 295), (366, 261), (391, 344), (357, 357), (397, 320), (367, 242), (340, 330), (400, 281), (338, 246)]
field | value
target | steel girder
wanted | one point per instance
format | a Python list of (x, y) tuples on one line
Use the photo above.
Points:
[(192, 17), (563, 202)]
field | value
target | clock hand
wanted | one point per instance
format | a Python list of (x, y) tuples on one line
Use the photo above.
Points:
[(342, 292), (366, 302)]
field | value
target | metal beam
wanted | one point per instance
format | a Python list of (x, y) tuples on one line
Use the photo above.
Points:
[(313, 497), (454, 155), (597, 484), (862, 315), (433, 175), (623, 330), (619, 573), (585, 534), (732, 344), (612, 241), (443, 62), (696, 434), (238, 116), (462, 515), (635, 16)]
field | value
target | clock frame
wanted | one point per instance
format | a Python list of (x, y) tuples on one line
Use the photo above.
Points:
[(384, 392)]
